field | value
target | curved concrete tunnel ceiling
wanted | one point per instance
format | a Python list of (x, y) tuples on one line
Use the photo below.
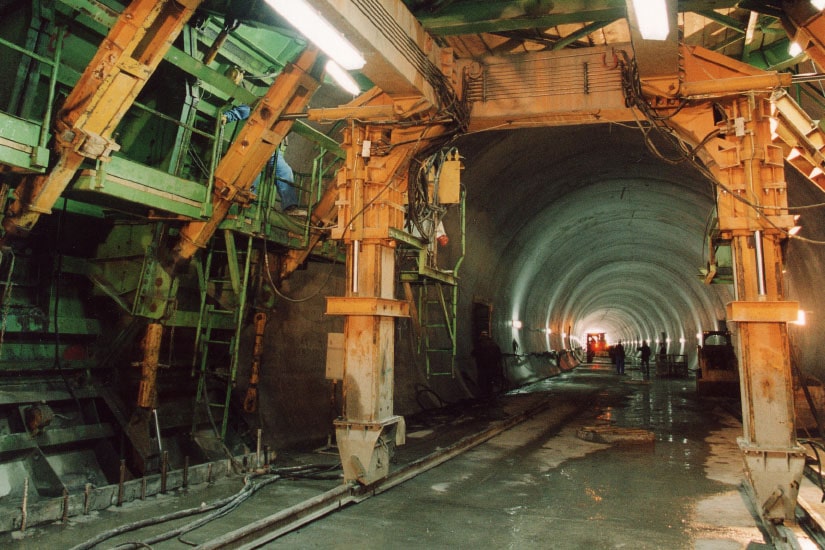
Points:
[(579, 228)]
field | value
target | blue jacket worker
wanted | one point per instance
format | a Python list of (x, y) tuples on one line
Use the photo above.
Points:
[(284, 177)]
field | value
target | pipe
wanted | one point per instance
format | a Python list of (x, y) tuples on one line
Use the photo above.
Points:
[(157, 430), (47, 116), (303, 513), (760, 262), (733, 85), (356, 249)]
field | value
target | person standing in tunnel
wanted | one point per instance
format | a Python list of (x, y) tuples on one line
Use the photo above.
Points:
[(619, 354), (488, 363), (645, 351)]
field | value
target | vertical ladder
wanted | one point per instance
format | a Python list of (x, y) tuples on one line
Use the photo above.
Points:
[(437, 314), (223, 280)]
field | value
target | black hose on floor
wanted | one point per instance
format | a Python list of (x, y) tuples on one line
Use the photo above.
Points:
[(155, 520)]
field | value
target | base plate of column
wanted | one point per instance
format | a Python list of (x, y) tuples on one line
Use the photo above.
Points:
[(367, 447)]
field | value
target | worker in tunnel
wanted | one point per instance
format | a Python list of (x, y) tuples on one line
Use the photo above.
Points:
[(644, 350), (284, 175), (488, 357), (618, 352)]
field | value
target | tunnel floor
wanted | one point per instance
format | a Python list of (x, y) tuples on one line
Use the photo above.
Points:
[(535, 485)]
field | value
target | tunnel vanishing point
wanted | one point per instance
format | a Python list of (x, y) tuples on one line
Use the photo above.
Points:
[(537, 170)]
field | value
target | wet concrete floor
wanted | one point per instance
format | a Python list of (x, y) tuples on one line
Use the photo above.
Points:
[(536, 485)]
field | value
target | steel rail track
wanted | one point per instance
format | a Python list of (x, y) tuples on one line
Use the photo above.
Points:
[(289, 519)]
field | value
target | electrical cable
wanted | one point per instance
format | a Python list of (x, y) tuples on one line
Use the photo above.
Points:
[(155, 520), (634, 98), (269, 271), (234, 502)]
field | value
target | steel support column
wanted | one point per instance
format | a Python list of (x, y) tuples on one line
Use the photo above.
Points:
[(370, 202), (371, 197), (752, 210)]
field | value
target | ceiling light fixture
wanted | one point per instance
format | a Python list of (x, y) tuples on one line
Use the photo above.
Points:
[(320, 32), (652, 18), (794, 49), (818, 4), (342, 77)]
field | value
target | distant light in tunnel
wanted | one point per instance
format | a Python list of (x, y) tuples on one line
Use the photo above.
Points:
[(800, 318), (794, 49), (516, 324), (681, 340)]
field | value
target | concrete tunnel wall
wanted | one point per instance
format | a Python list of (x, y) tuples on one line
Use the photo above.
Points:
[(579, 227)]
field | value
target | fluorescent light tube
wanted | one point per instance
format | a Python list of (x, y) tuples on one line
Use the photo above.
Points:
[(652, 18), (342, 77), (320, 32)]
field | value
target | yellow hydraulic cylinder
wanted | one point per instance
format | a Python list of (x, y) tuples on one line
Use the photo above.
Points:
[(250, 402), (148, 390)]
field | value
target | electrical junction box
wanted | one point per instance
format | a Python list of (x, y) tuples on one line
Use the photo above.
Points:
[(449, 182)]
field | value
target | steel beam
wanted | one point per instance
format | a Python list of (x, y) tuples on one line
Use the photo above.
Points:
[(657, 61), (115, 76), (254, 146), (402, 59), (752, 210), (805, 25), (472, 17), (370, 200)]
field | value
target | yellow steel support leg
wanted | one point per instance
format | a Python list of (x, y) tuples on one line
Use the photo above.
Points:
[(370, 202), (113, 79), (752, 210), (805, 24)]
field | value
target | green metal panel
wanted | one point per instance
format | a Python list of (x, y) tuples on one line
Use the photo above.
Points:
[(125, 179), (18, 144)]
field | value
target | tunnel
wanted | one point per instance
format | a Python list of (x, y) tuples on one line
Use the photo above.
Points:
[(587, 230), (163, 309)]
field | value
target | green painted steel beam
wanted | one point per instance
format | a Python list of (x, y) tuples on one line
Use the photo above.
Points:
[(22, 323), (52, 437), (43, 363), (213, 80), (472, 17), (775, 56), (724, 20), (124, 179), (579, 34), (19, 145)]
